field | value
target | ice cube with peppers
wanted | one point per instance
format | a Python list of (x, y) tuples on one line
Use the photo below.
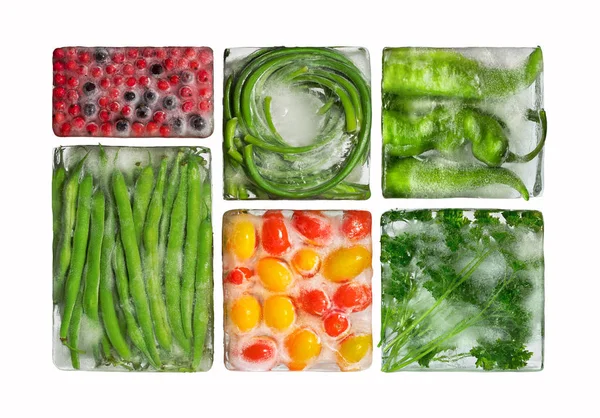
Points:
[(297, 290)]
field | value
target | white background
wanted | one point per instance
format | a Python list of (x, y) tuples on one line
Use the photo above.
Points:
[(568, 385)]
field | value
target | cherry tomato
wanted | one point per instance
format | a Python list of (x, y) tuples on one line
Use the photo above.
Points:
[(307, 262), (353, 349), (314, 226), (274, 274), (279, 312), (238, 275), (335, 324), (352, 297), (314, 301), (259, 349), (345, 264), (303, 346), (241, 238), (274, 234), (245, 313), (356, 224)]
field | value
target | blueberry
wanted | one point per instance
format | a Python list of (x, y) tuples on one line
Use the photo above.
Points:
[(150, 96), (156, 69), (142, 112), (89, 109), (89, 88), (177, 124), (122, 125), (101, 55), (129, 96), (197, 122), (187, 77), (170, 102)]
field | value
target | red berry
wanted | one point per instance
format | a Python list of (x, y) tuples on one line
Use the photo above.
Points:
[(205, 56), (238, 275), (164, 130), (59, 117), (118, 57), (132, 52), (140, 64), (73, 82), (144, 81), (110, 69), (174, 79), (152, 127), (189, 53), (59, 92), (126, 111), (71, 65), (60, 105), (138, 128), (118, 80), (185, 91), (131, 81), (96, 72), (104, 115), (79, 122), (187, 106), (58, 66), (175, 52), (159, 116), (113, 107), (114, 93), (103, 101), (65, 129), (128, 69), (182, 63), (71, 52), (82, 70), (203, 76), (204, 106), (91, 128), (161, 53), (169, 64), (74, 110), (148, 52), (194, 65), (59, 79), (72, 96), (84, 57), (163, 85), (58, 53), (335, 324), (205, 93), (105, 83), (106, 129)]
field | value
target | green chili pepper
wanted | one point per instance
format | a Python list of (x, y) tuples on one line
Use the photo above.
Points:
[(252, 141), (409, 177), (80, 241), (445, 73)]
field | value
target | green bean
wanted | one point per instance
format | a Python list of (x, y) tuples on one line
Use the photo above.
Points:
[(203, 291), (190, 250), (151, 261), (133, 329), (80, 241), (133, 261), (58, 180), (171, 192), (73, 332), (173, 261), (107, 283), (141, 200), (64, 249)]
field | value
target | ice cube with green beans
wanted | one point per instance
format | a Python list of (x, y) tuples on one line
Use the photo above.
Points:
[(462, 290), (297, 123), (132, 248), (462, 122)]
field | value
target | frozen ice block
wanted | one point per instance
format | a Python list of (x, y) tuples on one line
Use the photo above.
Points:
[(132, 275), (463, 122), (462, 290), (133, 92), (297, 290), (297, 123)]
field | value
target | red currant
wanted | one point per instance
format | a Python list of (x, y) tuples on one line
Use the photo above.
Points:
[(131, 81), (103, 101), (189, 53), (126, 111), (58, 53), (74, 110), (204, 93), (58, 66), (148, 52), (182, 63), (91, 128), (118, 57), (59, 79), (165, 130), (60, 105), (65, 129), (163, 85), (204, 106), (128, 69), (118, 80), (110, 69), (59, 92), (72, 96), (59, 117), (144, 81), (203, 76), (174, 80), (104, 115), (161, 53), (84, 57), (185, 91), (140, 64), (169, 64), (187, 106), (113, 107), (105, 83), (82, 70), (96, 72), (73, 82), (106, 129), (132, 52), (114, 93), (205, 56), (194, 65), (138, 128), (79, 122), (71, 52), (152, 127), (159, 116), (71, 65)]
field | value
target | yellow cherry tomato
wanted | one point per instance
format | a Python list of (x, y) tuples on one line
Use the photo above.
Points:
[(245, 313), (274, 274), (303, 346), (306, 262), (345, 264), (354, 348), (241, 238), (279, 312)]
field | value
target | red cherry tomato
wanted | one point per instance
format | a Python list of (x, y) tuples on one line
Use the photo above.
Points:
[(261, 349), (352, 297), (314, 226), (314, 301), (238, 275), (275, 238), (356, 224), (335, 324)]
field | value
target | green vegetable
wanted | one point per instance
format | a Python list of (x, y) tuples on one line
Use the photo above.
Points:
[(203, 291), (445, 73), (171, 191), (253, 144), (440, 306), (141, 199), (410, 177), (58, 179)]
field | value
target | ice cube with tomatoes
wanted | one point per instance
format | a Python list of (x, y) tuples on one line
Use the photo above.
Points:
[(297, 290)]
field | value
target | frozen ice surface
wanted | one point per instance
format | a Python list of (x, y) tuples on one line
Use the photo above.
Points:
[(426, 95), (95, 347), (307, 120), (297, 290), (133, 92), (462, 290)]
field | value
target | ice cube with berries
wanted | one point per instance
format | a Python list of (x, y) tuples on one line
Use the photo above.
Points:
[(297, 290), (132, 92)]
